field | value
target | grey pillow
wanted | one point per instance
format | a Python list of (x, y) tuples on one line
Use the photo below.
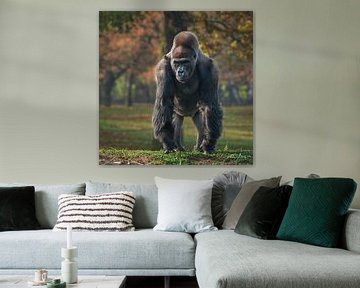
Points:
[(46, 200), (243, 198), (226, 187), (184, 205), (146, 204)]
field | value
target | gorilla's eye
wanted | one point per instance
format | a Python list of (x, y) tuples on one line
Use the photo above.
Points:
[(177, 63)]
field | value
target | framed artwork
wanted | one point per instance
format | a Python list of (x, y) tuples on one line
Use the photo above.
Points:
[(176, 88)]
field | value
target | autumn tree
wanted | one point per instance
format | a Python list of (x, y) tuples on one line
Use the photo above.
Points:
[(131, 43), (227, 36), (174, 22), (128, 48)]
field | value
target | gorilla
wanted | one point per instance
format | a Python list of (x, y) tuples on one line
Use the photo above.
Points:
[(187, 86)]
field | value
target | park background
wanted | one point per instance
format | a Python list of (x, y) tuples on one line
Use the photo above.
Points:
[(130, 45)]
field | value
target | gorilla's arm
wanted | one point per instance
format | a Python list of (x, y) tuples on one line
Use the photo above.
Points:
[(212, 113), (164, 106)]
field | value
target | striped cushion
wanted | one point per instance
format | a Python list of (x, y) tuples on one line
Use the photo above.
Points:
[(105, 212)]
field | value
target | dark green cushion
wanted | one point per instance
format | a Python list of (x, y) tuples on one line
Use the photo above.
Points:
[(263, 214), (17, 208), (316, 211)]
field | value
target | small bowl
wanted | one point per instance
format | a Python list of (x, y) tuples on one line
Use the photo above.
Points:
[(56, 283)]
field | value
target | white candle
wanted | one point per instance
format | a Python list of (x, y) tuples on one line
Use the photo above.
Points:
[(69, 237)]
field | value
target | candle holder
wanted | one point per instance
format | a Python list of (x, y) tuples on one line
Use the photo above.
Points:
[(69, 271)]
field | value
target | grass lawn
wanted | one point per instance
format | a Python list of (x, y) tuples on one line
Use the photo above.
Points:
[(126, 138)]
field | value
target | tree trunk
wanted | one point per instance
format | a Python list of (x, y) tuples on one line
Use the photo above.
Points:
[(250, 95), (147, 94), (234, 97), (128, 96), (175, 22), (105, 89)]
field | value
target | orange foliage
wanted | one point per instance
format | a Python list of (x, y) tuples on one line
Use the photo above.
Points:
[(228, 37), (135, 47), (132, 51)]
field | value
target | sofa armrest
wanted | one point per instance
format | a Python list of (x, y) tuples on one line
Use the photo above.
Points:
[(351, 234)]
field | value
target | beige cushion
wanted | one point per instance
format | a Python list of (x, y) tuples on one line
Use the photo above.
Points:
[(243, 198)]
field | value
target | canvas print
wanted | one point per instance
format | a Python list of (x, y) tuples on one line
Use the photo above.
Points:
[(176, 88)]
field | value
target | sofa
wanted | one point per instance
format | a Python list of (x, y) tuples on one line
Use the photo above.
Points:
[(218, 259)]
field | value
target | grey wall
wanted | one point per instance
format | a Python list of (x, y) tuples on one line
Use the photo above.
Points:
[(307, 115)]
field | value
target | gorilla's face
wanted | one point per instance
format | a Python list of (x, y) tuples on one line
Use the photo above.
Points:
[(183, 63), (183, 69)]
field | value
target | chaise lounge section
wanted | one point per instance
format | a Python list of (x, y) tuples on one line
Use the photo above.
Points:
[(226, 259)]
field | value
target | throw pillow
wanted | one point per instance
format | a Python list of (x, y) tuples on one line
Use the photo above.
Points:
[(146, 205), (243, 198), (17, 209), (263, 215), (184, 205), (316, 211), (226, 187), (106, 212)]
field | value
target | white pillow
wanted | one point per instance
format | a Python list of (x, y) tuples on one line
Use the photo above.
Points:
[(184, 205), (104, 212)]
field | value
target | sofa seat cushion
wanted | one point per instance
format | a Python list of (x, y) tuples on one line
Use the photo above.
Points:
[(226, 259), (142, 249)]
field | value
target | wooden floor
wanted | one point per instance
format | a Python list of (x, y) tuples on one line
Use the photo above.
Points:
[(158, 282)]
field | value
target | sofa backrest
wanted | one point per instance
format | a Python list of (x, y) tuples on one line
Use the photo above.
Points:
[(146, 203), (46, 200)]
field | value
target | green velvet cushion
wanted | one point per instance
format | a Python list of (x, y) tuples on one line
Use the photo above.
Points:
[(263, 215), (316, 211), (17, 208)]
